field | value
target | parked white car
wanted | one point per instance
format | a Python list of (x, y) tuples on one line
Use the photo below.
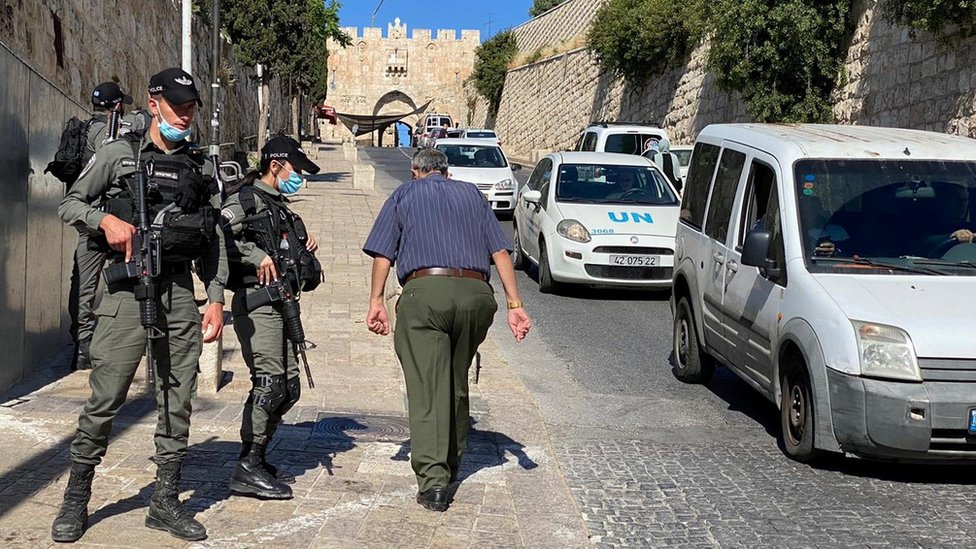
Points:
[(597, 218), (484, 164), (683, 152), (481, 134), (832, 269)]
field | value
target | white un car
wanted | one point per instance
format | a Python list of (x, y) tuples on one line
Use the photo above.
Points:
[(484, 164), (597, 218)]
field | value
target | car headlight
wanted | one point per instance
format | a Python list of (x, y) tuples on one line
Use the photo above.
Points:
[(505, 185), (573, 230), (886, 351)]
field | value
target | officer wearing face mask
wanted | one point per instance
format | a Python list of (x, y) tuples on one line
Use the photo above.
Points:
[(177, 184), (270, 357)]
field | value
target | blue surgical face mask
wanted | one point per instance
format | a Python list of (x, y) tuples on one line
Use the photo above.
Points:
[(290, 185), (170, 133)]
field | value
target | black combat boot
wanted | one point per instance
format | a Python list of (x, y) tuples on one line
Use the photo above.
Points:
[(73, 516), (166, 512), (252, 479), (280, 474)]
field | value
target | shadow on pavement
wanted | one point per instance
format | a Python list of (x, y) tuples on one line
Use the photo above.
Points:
[(596, 293)]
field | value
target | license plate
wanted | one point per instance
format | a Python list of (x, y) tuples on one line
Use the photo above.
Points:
[(635, 260), (972, 421)]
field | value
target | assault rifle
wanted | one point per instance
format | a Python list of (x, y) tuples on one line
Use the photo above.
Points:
[(145, 266), (114, 124), (283, 292)]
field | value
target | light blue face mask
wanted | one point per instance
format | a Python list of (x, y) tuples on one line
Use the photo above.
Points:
[(290, 185), (170, 133)]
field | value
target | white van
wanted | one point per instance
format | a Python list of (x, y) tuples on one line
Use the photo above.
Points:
[(832, 268), (620, 137), (427, 124)]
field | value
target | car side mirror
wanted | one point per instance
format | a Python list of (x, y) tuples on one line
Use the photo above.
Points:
[(755, 253), (516, 167), (532, 197)]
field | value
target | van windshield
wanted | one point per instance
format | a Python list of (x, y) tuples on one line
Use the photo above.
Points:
[(887, 216), (630, 143), (609, 184)]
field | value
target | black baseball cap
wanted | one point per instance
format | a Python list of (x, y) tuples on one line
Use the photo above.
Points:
[(109, 94), (175, 85), (286, 148)]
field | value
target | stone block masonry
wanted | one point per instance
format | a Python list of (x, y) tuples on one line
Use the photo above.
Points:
[(888, 79)]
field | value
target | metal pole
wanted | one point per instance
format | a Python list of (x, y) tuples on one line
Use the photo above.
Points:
[(372, 18), (187, 35), (215, 94)]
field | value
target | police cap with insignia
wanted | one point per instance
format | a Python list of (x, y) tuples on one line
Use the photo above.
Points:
[(285, 148), (175, 85), (109, 94)]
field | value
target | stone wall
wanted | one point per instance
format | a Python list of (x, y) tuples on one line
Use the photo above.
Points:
[(888, 79), (558, 25), (52, 53), (399, 72)]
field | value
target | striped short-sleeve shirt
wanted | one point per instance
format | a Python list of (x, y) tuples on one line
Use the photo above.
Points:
[(436, 222)]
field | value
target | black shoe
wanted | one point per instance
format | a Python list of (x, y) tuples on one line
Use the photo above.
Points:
[(166, 512), (72, 519), (435, 499), (252, 479)]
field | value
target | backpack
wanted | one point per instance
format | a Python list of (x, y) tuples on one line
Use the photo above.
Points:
[(70, 158)]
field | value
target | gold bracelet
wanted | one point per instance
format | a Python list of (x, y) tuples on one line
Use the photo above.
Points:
[(514, 305)]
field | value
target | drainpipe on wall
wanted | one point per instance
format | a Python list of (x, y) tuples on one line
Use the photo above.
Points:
[(187, 34)]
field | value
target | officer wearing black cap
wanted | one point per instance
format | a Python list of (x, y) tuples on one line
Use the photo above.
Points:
[(270, 357), (106, 97), (181, 193)]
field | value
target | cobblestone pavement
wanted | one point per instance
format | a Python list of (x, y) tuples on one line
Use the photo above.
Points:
[(646, 494), (346, 441)]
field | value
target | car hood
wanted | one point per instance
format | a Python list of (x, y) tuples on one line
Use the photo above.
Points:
[(936, 311), (623, 218), (480, 175)]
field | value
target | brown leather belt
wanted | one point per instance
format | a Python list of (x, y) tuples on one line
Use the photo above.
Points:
[(438, 271)]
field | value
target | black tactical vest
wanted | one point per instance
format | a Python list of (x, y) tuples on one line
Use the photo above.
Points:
[(289, 235), (179, 200)]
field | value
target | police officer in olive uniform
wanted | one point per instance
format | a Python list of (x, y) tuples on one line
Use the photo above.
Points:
[(269, 354), (119, 343), (106, 97)]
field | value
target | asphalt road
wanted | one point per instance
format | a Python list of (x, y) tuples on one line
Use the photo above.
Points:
[(654, 462)]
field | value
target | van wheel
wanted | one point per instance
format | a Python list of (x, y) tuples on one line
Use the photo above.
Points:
[(546, 284), (518, 257), (797, 415), (691, 364)]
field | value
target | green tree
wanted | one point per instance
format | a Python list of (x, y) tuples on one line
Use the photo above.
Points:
[(784, 57), (939, 17), (287, 38), (638, 39), (491, 65), (542, 6)]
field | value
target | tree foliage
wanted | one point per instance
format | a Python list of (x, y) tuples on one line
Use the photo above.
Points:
[(491, 64), (542, 6), (939, 17), (638, 39), (784, 57), (288, 37)]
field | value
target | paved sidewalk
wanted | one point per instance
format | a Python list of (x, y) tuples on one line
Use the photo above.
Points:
[(347, 440)]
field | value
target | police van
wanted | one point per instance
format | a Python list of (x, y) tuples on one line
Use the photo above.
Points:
[(833, 269)]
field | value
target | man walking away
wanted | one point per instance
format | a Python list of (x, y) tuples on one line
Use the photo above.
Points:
[(442, 235)]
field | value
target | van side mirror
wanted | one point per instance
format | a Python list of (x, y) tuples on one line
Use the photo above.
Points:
[(516, 167), (755, 253), (532, 197)]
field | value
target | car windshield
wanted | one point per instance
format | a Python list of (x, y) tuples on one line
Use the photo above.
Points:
[(474, 156), (630, 143), (608, 184), (481, 135), (887, 216), (684, 157)]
